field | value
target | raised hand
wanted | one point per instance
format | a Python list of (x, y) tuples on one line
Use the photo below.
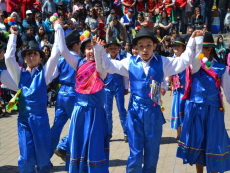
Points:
[(14, 29)]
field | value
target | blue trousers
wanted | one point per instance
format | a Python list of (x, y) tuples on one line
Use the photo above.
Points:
[(181, 13), (206, 11), (34, 142), (63, 110), (118, 91), (222, 17), (144, 135)]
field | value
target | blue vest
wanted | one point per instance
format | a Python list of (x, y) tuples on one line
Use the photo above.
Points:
[(126, 20), (182, 82), (1, 69), (116, 78), (203, 89), (33, 98), (139, 82)]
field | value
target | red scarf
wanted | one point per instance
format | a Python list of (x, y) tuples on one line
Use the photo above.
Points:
[(88, 80)]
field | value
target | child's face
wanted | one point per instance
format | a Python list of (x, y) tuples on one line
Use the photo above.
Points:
[(2, 53), (220, 39), (41, 30), (127, 47), (113, 50), (46, 50), (30, 31), (146, 48), (32, 58), (89, 53), (178, 49), (135, 51)]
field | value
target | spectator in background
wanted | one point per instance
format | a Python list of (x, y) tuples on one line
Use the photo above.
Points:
[(11, 6), (128, 4), (141, 21), (76, 6), (48, 25), (28, 35), (126, 50), (83, 12), (26, 5), (48, 7), (101, 21), (40, 34), (221, 48), (194, 4), (188, 15), (205, 27), (180, 10), (206, 11), (45, 41), (3, 5), (129, 21), (18, 23), (47, 52), (174, 33), (109, 18), (223, 8), (92, 21), (158, 33), (166, 49), (197, 19), (96, 3), (61, 17), (39, 22), (88, 5), (165, 23), (188, 35), (3, 26), (140, 7), (28, 20), (117, 30), (20, 58)]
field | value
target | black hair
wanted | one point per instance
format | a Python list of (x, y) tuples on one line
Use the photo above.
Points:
[(70, 47), (83, 45), (167, 18), (29, 27), (48, 15), (218, 42)]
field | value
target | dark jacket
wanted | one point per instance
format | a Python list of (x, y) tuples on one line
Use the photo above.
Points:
[(223, 4), (197, 22), (25, 37)]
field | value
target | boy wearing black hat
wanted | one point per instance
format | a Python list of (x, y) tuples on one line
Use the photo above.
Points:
[(146, 72), (65, 100), (33, 121), (114, 86)]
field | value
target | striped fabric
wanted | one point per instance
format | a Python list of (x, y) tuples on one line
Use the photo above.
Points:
[(87, 78)]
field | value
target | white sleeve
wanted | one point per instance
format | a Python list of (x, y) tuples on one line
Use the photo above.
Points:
[(196, 63), (173, 66), (8, 81), (55, 74), (70, 58), (52, 62), (122, 21), (99, 67), (11, 64), (111, 66), (225, 83), (126, 82)]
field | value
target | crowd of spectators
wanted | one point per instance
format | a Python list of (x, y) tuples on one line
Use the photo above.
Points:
[(113, 18)]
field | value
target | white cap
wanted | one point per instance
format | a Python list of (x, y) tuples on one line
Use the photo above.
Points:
[(28, 12)]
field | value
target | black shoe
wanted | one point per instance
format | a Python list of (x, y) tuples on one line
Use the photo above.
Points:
[(61, 153), (51, 165), (126, 138), (110, 136)]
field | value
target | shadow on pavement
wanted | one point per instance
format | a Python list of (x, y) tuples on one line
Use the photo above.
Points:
[(168, 140), (117, 162), (9, 169)]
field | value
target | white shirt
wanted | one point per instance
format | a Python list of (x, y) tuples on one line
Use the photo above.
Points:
[(7, 81), (125, 79), (15, 70), (122, 20), (70, 58)]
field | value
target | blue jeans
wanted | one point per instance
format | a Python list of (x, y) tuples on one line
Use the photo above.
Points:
[(206, 11), (181, 13), (222, 16)]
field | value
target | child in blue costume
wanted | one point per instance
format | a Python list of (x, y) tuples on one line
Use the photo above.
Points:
[(88, 138), (66, 95), (114, 86), (178, 86), (33, 121), (145, 119), (204, 140)]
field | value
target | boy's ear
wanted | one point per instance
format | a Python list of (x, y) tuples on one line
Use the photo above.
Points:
[(154, 46)]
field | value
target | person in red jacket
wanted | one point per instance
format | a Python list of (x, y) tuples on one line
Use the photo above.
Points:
[(180, 10), (26, 5), (12, 5)]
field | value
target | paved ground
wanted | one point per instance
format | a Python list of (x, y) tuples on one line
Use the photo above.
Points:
[(168, 163)]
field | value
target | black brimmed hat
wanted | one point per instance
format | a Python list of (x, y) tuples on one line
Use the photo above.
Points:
[(208, 40), (145, 33), (2, 45), (33, 45), (179, 40), (113, 40), (72, 37)]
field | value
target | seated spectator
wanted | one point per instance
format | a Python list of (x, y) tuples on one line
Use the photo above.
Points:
[(25, 6), (92, 21), (48, 7), (180, 11), (221, 48), (140, 7), (166, 49), (83, 12), (174, 33), (109, 18), (101, 20), (141, 21), (45, 41), (47, 52), (37, 7), (126, 51), (134, 51), (40, 34), (172, 40), (76, 6), (158, 33), (188, 35), (165, 23), (128, 4), (48, 25), (28, 20), (39, 22), (197, 19), (205, 27), (117, 30), (3, 26), (62, 18), (2, 5), (28, 35), (17, 20), (88, 5), (20, 58)]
